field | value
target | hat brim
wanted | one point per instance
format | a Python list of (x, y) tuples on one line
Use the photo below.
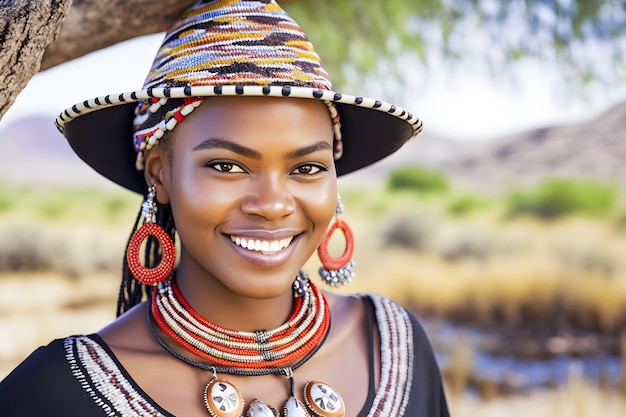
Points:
[(100, 130)]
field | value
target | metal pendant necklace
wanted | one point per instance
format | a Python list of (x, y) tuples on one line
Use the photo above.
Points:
[(279, 351)]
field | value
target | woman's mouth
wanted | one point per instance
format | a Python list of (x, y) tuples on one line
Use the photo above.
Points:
[(260, 245)]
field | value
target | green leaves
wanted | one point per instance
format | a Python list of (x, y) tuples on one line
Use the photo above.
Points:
[(362, 33), (560, 197), (362, 38)]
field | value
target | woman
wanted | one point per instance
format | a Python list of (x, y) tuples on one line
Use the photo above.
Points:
[(238, 138)]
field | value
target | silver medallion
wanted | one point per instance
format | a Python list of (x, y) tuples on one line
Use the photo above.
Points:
[(323, 400), (223, 399), (259, 409)]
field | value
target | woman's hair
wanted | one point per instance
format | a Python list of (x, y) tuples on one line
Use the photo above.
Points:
[(131, 290)]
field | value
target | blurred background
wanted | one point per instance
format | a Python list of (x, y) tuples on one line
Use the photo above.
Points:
[(502, 226)]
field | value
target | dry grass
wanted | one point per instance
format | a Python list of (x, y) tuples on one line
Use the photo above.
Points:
[(73, 248), (36, 308), (577, 399), (517, 270)]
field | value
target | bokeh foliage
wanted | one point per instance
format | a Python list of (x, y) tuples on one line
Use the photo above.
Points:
[(560, 197), (417, 179), (365, 33)]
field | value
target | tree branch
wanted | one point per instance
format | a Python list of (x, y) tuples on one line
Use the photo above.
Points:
[(26, 29), (30, 27), (95, 24)]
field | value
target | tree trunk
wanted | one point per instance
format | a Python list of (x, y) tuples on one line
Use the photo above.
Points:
[(95, 24), (28, 28)]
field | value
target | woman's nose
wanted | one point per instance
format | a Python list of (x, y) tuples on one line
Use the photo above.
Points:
[(269, 197)]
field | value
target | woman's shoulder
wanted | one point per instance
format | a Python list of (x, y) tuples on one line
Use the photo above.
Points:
[(395, 320), (390, 313), (383, 311), (129, 332), (46, 359), (77, 375), (50, 360), (408, 361), (48, 372)]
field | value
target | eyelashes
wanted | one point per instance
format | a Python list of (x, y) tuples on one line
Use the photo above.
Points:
[(305, 169), (309, 169), (228, 167)]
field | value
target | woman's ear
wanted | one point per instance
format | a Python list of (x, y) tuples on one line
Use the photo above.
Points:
[(156, 166)]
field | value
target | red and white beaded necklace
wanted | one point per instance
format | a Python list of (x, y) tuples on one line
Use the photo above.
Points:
[(278, 351)]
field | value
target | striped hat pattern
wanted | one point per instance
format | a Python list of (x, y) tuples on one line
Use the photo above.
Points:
[(227, 48), (237, 42), (226, 43)]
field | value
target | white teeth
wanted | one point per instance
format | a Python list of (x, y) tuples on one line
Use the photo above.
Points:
[(266, 246)]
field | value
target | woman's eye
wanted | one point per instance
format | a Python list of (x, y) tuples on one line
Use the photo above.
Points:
[(308, 169), (226, 167)]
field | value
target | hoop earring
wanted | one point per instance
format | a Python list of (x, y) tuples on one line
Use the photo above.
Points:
[(143, 274), (337, 271)]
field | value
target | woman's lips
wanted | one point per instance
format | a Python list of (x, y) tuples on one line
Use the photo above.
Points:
[(264, 252), (261, 245)]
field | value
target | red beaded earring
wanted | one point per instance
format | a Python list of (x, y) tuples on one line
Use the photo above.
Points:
[(143, 274), (337, 271)]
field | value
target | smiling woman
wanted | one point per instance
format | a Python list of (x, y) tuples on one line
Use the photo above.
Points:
[(236, 141)]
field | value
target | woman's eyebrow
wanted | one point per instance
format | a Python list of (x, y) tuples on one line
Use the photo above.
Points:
[(212, 143), (222, 143), (319, 146)]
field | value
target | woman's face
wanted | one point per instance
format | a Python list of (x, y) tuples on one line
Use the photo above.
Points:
[(252, 186)]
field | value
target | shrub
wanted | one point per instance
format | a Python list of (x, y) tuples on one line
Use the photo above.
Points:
[(417, 179), (118, 206), (8, 198), (559, 197), (6, 203), (409, 232), (465, 204), (29, 245), (620, 220)]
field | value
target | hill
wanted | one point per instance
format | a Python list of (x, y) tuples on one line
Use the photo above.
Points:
[(590, 150), (34, 152)]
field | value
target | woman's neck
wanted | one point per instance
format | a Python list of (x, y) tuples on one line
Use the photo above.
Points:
[(217, 303)]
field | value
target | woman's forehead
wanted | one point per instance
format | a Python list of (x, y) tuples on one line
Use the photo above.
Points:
[(257, 120)]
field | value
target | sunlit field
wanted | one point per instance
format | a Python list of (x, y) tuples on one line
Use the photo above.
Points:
[(501, 286)]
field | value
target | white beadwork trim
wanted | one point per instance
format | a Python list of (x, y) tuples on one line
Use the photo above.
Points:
[(101, 378), (110, 100), (396, 358)]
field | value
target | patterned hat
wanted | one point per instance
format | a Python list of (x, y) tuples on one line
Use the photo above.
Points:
[(227, 48)]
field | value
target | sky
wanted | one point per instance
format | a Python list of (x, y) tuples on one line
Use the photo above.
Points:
[(461, 103)]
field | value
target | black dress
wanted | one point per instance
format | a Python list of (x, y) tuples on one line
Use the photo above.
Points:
[(80, 376)]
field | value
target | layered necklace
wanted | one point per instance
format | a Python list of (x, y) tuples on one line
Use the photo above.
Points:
[(278, 351)]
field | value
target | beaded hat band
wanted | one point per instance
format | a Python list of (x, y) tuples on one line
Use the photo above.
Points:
[(156, 116), (227, 48)]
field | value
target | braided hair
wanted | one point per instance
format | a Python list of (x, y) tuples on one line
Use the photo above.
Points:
[(131, 290)]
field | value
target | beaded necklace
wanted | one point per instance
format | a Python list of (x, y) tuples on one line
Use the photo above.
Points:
[(250, 353)]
